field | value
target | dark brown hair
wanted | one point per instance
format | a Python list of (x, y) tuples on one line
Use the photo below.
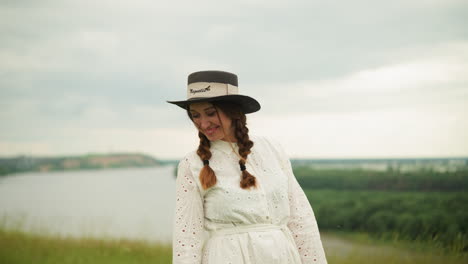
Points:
[(241, 132)]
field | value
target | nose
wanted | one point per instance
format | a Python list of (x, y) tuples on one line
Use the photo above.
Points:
[(204, 123)]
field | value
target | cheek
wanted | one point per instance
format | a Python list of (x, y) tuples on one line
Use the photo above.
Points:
[(196, 124), (228, 124)]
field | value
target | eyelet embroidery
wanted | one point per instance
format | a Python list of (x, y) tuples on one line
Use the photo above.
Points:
[(280, 200)]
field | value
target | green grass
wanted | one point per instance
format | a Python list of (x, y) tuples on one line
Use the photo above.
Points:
[(18, 247), (365, 258), (361, 248)]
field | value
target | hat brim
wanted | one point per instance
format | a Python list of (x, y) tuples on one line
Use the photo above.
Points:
[(247, 103)]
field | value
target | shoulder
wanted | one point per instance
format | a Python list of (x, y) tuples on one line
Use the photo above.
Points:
[(258, 139), (190, 159), (188, 168)]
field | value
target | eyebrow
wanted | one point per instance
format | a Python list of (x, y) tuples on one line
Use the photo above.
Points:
[(191, 110)]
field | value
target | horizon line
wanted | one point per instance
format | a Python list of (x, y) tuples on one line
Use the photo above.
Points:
[(291, 157)]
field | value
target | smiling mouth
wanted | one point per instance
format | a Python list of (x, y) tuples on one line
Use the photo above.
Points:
[(211, 130)]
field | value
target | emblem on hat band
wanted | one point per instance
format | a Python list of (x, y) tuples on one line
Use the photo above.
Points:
[(210, 89)]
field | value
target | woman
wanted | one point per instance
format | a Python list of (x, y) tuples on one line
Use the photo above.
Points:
[(237, 200)]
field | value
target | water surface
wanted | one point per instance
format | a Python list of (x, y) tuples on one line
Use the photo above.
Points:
[(135, 203)]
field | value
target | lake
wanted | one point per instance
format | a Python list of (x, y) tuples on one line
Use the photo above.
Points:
[(136, 203)]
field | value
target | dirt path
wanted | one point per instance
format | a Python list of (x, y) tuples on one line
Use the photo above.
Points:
[(341, 247), (342, 250)]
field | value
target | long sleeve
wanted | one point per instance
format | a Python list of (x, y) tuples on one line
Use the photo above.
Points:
[(188, 233), (302, 223)]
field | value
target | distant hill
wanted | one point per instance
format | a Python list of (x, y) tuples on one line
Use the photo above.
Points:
[(89, 161)]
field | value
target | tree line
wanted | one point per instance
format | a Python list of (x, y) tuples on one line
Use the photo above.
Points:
[(390, 180), (416, 206)]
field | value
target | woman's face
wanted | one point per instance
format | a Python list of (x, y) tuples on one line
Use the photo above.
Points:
[(205, 118)]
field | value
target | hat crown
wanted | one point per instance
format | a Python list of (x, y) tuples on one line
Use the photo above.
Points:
[(213, 77), (210, 86)]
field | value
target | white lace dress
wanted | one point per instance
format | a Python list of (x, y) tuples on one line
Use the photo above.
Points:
[(226, 224)]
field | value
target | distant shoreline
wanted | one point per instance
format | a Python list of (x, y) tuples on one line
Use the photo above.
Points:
[(19, 164), (23, 163)]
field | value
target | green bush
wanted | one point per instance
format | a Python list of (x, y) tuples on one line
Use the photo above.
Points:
[(357, 179), (439, 217)]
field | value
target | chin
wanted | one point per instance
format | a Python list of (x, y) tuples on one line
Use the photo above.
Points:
[(213, 137)]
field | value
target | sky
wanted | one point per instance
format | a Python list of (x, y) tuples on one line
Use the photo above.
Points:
[(335, 79)]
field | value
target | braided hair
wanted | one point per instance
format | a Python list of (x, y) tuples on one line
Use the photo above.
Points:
[(207, 175), (241, 133)]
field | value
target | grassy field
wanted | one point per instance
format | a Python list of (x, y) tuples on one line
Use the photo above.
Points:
[(354, 248), (17, 247)]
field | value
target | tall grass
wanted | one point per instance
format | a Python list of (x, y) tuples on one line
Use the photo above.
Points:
[(17, 247)]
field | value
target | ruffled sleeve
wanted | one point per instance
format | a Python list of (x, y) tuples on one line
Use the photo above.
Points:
[(302, 222), (188, 233)]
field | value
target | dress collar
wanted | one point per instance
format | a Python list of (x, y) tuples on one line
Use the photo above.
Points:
[(224, 146)]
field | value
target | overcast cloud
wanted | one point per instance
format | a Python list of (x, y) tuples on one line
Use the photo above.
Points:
[(335, 78)]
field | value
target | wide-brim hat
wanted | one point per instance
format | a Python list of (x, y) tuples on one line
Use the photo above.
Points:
[(209, 86)]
